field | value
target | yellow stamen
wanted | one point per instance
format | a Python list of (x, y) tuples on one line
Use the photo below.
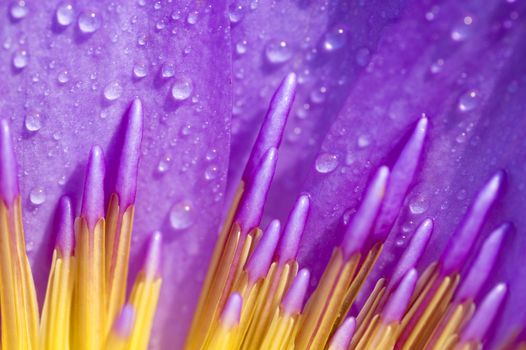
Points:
[(17, 293), (90, 298), (118, 238), (55, 324)]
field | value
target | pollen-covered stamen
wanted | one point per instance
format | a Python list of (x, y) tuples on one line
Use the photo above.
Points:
[(9, 189), (341, 340), (271, 131), (119, 218), (55, 324), (345, 272), (226, 335), (413, 252), (251, 204), (439, 282), (290, 242), (145, 294), (282, 328), (461, 309), (474, 335), (18, 305), (462, 241), (294, 299), (483, 265), (90, 297), (360, 227), (121, 329), (401, 177), (259, 261), (280, 275), (383, 330)]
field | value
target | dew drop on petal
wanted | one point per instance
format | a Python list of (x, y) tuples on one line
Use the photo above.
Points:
[(192, 17), (241, 47), (363, 56), (182, 89), (418, 205), (277, 51), (468, 101), (326, 163), (37, 196), (63, 77), (64, 14), (33, 122), (113, 91), (89, 21), (235, 13), (211, 172), (139, 71), (18, 9), (181, 215), (20, 59), (334, 39), (164, 164), (168, 70), (363, 141)]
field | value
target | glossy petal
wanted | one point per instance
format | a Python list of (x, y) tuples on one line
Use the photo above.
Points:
[(70, 74)]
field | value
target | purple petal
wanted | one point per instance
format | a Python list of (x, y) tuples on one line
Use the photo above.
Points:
[(69, 78)]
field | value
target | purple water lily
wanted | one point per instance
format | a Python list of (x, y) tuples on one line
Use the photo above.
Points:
[(407, 126)]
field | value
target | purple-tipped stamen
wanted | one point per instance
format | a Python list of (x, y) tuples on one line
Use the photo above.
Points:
[(123, 325), (396, 306), (462, 241), (260, 260), (289, 243), (271, 131), (343, 336), (93, 197), (360, 227), (413, 252), (483, 265), (253, 200), (401, 177), (126, 184), (152, 262), (232, 311), (478, 327), (294, 299), (65, 241), (9, 189)]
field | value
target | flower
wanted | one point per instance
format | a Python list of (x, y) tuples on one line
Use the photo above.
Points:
[(71, 69)]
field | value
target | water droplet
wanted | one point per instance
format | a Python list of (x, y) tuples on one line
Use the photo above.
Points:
[(182, 89), (140, 71), (33, 122), (241, 47), (211, 154), (113, 91), (318, 95), (192, 18), (63, 77), (181, 215), (468, 101), (363, 56), (168, 70), (37, 196), (326, 162), (235, 13), (164, 164), (334, 39), (20, 59), (418, 205), (89, 21), (64, 14), (461, 31), (142, 39), (363, 141), (278, 52), (437, 66), (18, 10), (211, 172)]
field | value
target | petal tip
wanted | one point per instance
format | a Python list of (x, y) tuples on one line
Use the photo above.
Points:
[(65, 241), (9, 188), (294, 299), (232, 312), (93, 197), (289, 244)]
